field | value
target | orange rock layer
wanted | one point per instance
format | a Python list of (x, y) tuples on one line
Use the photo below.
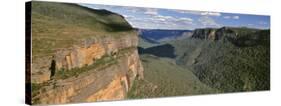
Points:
[(98, 84)]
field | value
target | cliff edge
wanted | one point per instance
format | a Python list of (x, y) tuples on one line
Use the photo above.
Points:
[(81, 55)]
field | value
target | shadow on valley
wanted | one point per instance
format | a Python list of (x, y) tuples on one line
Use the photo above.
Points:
[(165, 50)]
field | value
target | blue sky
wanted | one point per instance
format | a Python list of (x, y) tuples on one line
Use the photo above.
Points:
[(155, 18)]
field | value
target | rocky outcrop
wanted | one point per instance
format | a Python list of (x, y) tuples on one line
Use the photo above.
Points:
[(105, 82), (239, 36), (213, 33), (94, 58), (78, 56), (92, 50), (87, 53), (204, 33)]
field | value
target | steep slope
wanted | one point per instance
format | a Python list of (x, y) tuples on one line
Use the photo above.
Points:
[(228, 59), (80, 54), (163, 77)]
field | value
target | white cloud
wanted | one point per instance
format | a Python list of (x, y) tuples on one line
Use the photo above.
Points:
[(189, 12), (162, 22), (263, 23), (128, 16), (204, 13), (151, 18), (208, 22), (235, 17), (151, 11), (250, 24), (231, 17), (226, 17), (131, 9), (170, 19), (186, 19), (211, 13), (164, 17)]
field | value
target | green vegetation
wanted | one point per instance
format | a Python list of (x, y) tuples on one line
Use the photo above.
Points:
[(164, 78), (187, 49), (243, 30), (234, 69), (60, 25), (35, 88), (230, 65), (236, 62), (239, 61)]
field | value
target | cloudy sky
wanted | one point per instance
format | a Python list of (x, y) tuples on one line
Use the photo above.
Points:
[(152, 18)]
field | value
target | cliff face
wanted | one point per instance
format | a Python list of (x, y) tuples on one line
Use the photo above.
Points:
[(239, 36), (90, 67), (108, 81), (203, 33), (213, 33), (92, 50)]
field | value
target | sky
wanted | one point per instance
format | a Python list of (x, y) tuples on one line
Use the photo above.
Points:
[(155, 18)]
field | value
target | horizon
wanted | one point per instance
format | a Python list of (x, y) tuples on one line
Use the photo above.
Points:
[(171, 19), (207, 28)]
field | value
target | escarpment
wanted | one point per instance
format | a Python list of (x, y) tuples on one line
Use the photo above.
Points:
[(213, 33), (109, 81), (204, 33), (103, 70), (239, 36), (95, 59), (90, 52)]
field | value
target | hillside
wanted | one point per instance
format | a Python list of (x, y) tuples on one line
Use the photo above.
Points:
[(163, 77), (80, 54), (238, 59), (69, 24), (227, 59)]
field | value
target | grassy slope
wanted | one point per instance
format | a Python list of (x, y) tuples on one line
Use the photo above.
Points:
[(58, 25), (187, 49), (164, 78)]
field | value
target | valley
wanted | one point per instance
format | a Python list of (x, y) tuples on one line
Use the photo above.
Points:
[(211, 61), (85, 54)]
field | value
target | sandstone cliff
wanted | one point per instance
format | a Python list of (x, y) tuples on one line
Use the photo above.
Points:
[(213, 33), (239, 36), (95, 61), (109, 81)]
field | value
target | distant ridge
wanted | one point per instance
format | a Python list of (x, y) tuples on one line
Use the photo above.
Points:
[(162, 34)]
